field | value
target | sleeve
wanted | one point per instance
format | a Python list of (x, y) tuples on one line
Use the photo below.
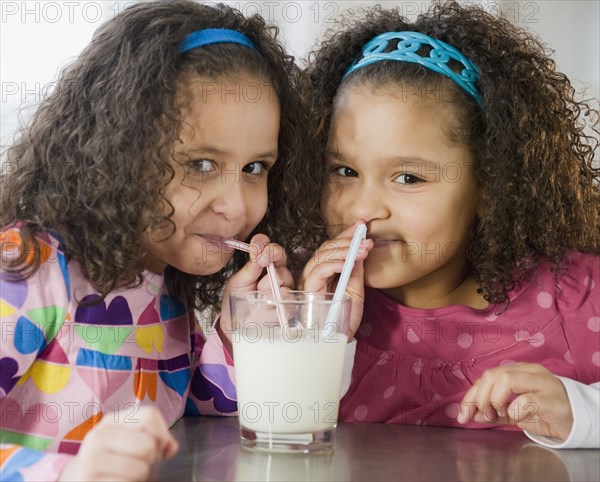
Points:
[(32, 311), (585, 406), (578, 301), (212, 390)]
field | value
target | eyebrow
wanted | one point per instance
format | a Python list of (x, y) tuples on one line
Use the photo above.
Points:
[(213, 150), (389, 162)]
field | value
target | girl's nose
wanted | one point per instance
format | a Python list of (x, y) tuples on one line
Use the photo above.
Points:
[(230, 201), (367, 202)]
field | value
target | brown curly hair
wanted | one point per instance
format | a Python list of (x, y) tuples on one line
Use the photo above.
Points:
[(533, 142), (92, 166)]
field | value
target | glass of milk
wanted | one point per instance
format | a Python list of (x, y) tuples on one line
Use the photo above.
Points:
[(288, 368)]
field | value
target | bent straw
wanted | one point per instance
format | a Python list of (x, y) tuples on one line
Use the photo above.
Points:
[(359, 235), (273, 280)]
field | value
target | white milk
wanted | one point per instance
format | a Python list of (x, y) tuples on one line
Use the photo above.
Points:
[(289, 386)]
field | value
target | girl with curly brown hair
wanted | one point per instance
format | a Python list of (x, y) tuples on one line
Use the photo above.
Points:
[(465, 153), (179, 126)]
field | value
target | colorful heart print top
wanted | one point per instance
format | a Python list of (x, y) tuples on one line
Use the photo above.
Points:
[(68, 358)]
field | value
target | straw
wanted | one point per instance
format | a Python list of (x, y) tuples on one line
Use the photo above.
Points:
[(359, 235), (273, 280)]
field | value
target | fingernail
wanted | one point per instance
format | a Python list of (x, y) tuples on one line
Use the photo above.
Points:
[(459, 419)]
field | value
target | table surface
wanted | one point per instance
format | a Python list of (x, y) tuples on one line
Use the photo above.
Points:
[(210, 450)]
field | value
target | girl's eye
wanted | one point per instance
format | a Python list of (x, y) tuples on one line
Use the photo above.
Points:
[(202, 166), (407, 179), (344, 171), (256, 168)]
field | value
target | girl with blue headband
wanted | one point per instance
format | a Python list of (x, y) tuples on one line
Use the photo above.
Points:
[(179, 126), (477, 291)]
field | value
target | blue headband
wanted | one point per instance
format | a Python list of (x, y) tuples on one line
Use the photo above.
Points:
[(209, 36), (408, 44)]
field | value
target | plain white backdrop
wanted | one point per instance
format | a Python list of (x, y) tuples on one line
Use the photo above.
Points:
[(39, 37)]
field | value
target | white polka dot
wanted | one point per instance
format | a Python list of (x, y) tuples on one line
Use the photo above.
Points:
[(383, 359), (458, 374), (436, 397), (588, 283), (507, 362), (537, 340), (521, 335), (544, 299), (389, 391), (418, 422), (491, 317), (465, 340), (569, 357), (594, 324), (412, 336), (596, 358), (452, 410), (417, 367), (360, 413), (365, 329)]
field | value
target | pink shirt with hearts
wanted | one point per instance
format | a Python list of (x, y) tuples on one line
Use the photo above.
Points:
[(414, 366), (64, 365)]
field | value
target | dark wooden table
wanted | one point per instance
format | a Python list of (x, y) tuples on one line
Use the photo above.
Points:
[(210, 450)]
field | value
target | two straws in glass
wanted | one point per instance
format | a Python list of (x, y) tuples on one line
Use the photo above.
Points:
[(359, 235)]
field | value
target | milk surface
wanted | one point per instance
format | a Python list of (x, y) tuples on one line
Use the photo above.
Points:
[(289, 385)]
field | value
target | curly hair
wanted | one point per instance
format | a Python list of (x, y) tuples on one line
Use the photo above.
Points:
[(533, 141), (91, 165)]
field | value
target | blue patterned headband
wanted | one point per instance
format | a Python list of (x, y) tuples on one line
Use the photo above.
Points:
[(209, 36), (408, 44)]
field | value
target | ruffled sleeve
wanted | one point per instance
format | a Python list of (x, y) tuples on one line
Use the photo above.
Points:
[(32, 311)]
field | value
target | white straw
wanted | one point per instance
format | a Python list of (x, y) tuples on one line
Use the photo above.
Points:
[(359, 235), (273, 280)]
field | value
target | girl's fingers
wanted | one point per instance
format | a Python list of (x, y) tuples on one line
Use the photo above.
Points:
[(153, 423), (318, 278), (335, 249), (129, 449), (524, 407), (329, 262), (272, 253), (285, 278), (468, 406), (495, 387), (246, 277), (511, 382), (356, 291), (133, 444)]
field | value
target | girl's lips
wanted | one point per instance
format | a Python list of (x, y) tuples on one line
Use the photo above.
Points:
[(216, 240), (380, 243)]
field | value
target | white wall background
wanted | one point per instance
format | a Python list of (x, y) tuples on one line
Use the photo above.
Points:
[(38, 37)]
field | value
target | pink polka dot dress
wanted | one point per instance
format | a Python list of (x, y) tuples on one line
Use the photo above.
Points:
[(414, 366)]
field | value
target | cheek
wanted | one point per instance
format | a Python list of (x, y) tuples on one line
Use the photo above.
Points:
[(331, 201), (257, 201)]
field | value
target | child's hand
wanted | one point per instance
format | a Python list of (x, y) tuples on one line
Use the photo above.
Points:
[(249, 278), (541, 407), (123, 450), (320, 273)]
